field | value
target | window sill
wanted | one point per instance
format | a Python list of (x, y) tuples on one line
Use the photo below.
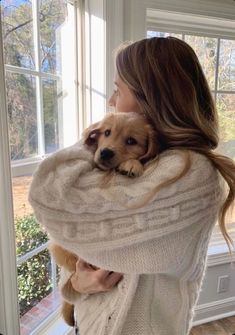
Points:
[(53, 325), (219, 254), (24, 168)]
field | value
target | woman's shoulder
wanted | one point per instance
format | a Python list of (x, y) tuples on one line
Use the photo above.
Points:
[(198, 172), (178, 155), (174, 160), (198, 179), (165, 166)]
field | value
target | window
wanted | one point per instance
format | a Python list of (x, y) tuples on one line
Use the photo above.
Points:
[(216, 52), (53, 89), (41, 101)]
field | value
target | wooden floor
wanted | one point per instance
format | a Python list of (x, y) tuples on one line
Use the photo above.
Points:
[(221, 327)]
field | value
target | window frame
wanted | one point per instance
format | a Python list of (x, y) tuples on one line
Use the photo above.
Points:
[(8, 288)]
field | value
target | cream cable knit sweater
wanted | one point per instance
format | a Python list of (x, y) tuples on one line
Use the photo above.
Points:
[(161, 247)]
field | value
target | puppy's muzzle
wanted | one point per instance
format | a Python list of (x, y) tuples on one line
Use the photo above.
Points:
[(106, 154)]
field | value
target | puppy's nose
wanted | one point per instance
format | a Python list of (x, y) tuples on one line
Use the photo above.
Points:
[(106, 154)]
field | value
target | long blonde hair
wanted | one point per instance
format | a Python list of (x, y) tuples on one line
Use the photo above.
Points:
[(165, 76)]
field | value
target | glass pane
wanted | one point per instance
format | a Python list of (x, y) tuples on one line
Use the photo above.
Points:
[(53, 14), (17, 25), (151, 33), (29, 234), (33, 281), (22, 115), (36, 298), (205, 48), (227, 65), (226, 111), (37, 275), (51, 95)]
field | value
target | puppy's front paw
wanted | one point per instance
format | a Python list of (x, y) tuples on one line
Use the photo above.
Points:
[(131, 168)]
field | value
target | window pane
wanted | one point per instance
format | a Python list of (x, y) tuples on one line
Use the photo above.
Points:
[(227, 65), (205, 48), (151, 33), (37, 275), (53, 14), (17, 27), (226, 110), (36, 298), (22, 115), (51, 95), (29, 234)]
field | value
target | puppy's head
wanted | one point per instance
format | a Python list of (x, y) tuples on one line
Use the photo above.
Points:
[(120, 137)]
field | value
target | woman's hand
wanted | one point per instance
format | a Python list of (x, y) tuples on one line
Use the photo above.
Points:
[(89, 279)]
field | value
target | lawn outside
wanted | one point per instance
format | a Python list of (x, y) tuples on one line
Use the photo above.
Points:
[(20, 188)]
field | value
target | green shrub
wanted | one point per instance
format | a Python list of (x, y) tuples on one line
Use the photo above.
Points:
[(34, 275), (29, 234)]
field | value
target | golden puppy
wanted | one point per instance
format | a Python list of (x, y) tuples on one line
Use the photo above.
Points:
[(123, 142), (68, 260)]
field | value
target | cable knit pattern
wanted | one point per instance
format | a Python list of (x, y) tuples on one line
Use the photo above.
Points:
[(160, 247)]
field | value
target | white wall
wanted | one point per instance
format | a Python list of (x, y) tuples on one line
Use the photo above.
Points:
[(213, 305)]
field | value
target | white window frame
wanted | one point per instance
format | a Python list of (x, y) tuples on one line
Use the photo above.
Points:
[(9, 321)]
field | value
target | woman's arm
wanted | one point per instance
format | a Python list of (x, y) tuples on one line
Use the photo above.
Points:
[(99, 224)]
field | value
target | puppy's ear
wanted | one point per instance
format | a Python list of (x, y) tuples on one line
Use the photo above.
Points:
[(152, 149), (91, 135)]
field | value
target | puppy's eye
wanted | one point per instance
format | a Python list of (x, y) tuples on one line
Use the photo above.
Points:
[(131, 141), (107, 132)]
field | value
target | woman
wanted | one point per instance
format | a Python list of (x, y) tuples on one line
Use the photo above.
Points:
[(148, 263)]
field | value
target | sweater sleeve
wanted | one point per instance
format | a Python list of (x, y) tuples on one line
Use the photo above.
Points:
[(106, 225)]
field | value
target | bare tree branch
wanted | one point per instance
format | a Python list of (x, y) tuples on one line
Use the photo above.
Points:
[(48, 52), (17, 27)]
